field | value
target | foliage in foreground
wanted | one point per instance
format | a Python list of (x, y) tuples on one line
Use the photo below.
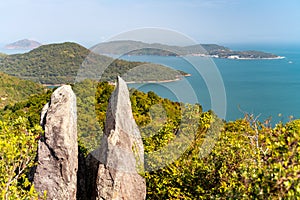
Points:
[(18, 145), (250, 160), (190, 154), (234, 160)]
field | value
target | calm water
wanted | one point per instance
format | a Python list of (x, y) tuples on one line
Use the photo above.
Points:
[(11, 51), (266, 87)]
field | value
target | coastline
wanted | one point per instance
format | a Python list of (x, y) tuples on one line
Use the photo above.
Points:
[(274, 58), (236, 57), (162, 81), (129, 82)]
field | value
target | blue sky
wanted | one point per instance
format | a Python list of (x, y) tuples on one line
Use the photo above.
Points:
[(207, 21)]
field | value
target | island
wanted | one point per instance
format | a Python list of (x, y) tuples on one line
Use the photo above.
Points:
[(24, 44), (57, 64), (129, 47)]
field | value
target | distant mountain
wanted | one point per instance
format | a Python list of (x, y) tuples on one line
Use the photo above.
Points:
[(14, 89), (68, 62), (23, 44), (130, 47), (208, 50)]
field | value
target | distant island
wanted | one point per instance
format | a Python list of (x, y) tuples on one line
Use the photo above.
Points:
[(23, 45), (129, 47), (56, 64)]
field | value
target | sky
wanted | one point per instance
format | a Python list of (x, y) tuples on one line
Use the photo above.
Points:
[(89, 22)]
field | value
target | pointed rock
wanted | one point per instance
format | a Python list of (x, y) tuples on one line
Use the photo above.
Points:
[(121, 153), (56, 172)]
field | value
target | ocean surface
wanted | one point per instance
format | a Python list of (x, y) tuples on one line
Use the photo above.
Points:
[(11, 51), (269, 88)]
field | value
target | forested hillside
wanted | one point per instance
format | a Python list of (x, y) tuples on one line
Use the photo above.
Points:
[(189, 153), (62, 63), (53, 64), (14, 89)]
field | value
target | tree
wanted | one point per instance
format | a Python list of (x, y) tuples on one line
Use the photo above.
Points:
[(18, 145)]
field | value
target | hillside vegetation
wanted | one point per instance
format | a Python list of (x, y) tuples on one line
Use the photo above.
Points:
[(14, 89), (140, 48), (67, 62), (189, 153)]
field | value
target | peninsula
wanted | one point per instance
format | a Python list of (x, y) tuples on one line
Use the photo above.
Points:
[(129, 47)]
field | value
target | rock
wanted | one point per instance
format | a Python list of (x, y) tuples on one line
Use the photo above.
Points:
[(121, 153), (57, 157), (82, 178)]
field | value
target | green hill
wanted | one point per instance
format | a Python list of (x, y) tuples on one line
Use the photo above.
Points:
[(189, 154), (140, 48), (136, 48), (60, 63), (53, 64), (14, 89)]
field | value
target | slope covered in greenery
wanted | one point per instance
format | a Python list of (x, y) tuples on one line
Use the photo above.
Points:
[(61, 63), (55, 63), (189, 153), (14, 89)]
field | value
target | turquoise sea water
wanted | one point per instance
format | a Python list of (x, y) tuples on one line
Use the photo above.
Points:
[(266, 87)]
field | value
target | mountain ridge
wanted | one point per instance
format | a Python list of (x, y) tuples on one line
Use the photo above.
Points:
[(130, 47)]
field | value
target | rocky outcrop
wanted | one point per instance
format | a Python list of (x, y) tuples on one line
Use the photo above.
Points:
[(121, 153), (56, 171), (110, 172)]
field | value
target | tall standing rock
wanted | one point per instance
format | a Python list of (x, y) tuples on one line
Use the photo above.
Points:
[(56, 171), (121, 153)]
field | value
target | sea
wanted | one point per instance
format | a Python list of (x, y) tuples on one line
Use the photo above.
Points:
[(269, 89), (11, 51)]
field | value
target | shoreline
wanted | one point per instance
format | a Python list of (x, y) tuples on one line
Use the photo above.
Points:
[(129, 82), (275, 58), (162, 81), (236, 57)]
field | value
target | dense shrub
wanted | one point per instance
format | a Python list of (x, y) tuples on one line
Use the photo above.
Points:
[(189, 154)]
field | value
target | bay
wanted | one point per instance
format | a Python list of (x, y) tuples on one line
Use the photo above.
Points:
[(270, 88)]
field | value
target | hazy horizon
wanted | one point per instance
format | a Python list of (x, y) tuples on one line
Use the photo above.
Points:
[(206, 21), (231, 45)]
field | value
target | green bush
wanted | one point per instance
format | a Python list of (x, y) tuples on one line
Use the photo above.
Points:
[(189, 154), (18, 145)]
